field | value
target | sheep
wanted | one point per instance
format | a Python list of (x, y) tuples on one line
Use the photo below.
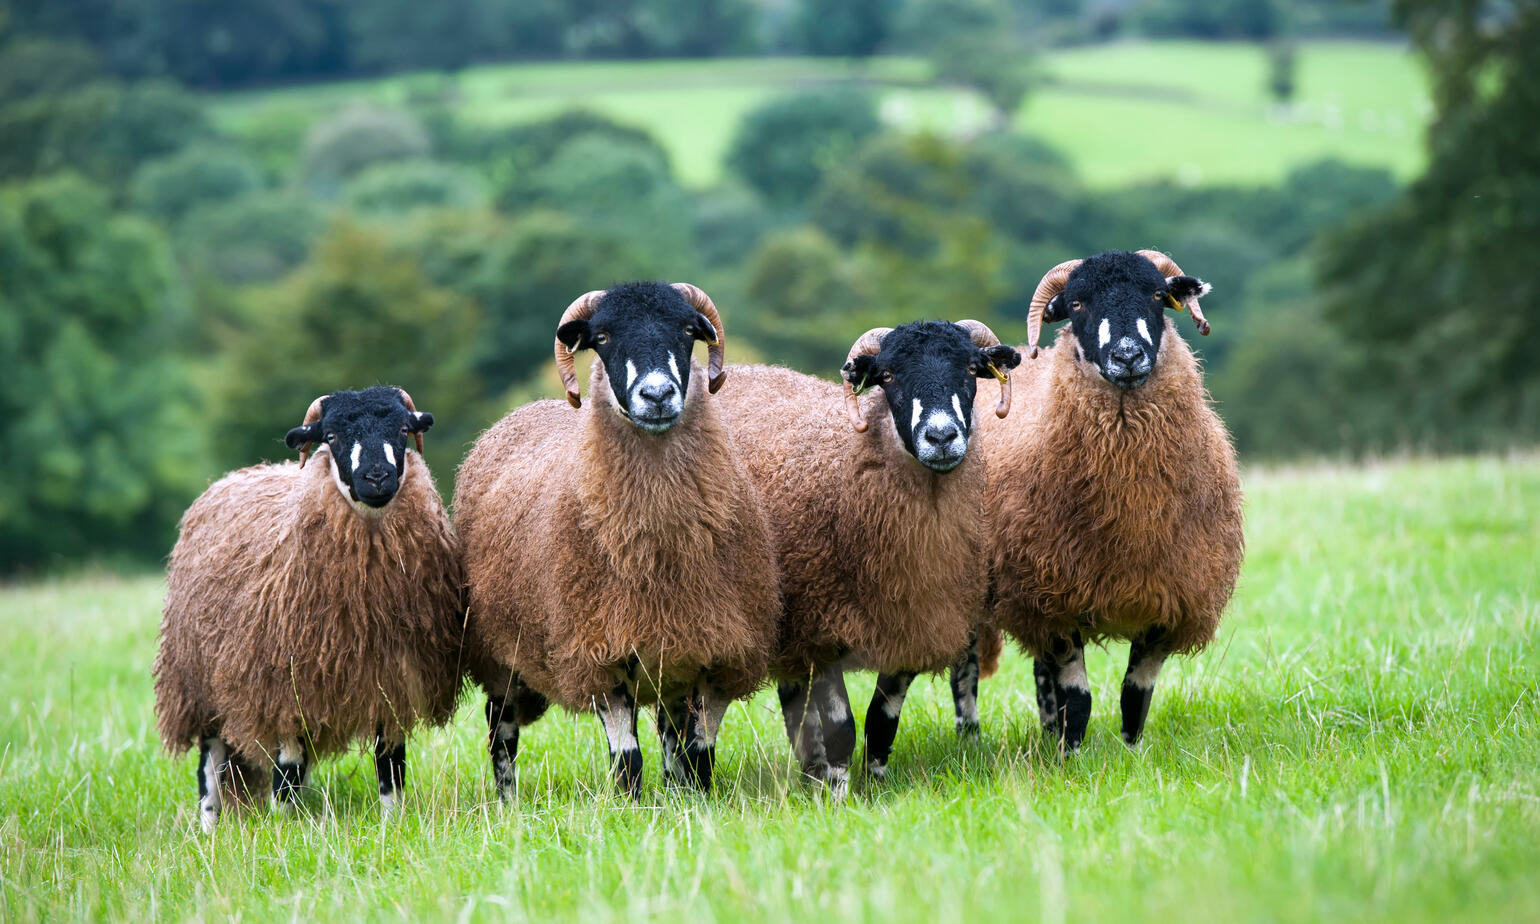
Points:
[(1114, 496), (881, 538), (620, 555), (309, 605)]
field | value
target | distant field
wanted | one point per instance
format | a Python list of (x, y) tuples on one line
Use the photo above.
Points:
[(1195, 112), (1360, 743)]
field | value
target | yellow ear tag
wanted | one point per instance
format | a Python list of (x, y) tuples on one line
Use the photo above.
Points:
[(1000, 377), (1174, 303)]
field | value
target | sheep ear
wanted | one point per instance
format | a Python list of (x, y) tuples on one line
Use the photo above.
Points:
[(418, 421), (997, 358), (1183, 288), (861, 372), (299, 436), (576, 335), (1057, 310), (702, 329)]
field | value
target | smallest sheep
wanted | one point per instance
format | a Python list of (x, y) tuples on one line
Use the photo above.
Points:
[(307, 606)]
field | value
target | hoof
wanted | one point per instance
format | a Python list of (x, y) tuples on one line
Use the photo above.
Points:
[(838, 781), (877, 770), (208, 818), (967, 729)]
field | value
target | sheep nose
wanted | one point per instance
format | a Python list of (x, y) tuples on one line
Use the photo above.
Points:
[(940, 436), (657, 392), (1127, 352), (376, 477)]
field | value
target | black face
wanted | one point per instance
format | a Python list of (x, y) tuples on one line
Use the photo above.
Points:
[(644, 333), (929, 372), (1116, 304), (367, 433)]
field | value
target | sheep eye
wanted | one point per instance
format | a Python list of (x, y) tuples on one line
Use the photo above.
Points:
[(973, 368), (1158, 297), (331, 437), (601, 339), (887, 377), (1075, 305)]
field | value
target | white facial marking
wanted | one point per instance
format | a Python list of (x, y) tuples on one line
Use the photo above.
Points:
[(957, 406), (1144, 331), (1104, 333), (914, 422), (673, 364), (630, 374), (358, 450), (390, 455)]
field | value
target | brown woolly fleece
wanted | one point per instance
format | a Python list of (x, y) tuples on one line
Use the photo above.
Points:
[(1113, 511), (588, 542), (880, 557), (291, 614)]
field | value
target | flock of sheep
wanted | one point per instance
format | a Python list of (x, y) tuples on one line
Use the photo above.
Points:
[(678, 544)]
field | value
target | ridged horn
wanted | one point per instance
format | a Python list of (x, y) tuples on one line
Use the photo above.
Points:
[(868, 344), (984, 338), (407, 400), (1050, 285), (1168, 268), (716, 351), (582, 307), (311, 416)]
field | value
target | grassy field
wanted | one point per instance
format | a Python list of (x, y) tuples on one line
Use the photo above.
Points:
[(1361, 742), (1195, 112)]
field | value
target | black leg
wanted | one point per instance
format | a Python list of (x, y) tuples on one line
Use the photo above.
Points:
[(839, 727), (288, 772), (1047, 695), (503, 744), (964, 675), (706, 716), (1073, 691), (617, 710), (211, 760), (803, 728), (882, 720), (1145, 657), (390, 769)]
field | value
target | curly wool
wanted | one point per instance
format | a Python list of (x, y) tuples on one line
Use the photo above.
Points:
[(290, 614), (881, 557), (1113, 511), (588, 542)]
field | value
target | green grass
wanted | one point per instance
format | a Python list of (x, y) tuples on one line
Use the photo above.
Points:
[(1195, 112), (1360, 742)]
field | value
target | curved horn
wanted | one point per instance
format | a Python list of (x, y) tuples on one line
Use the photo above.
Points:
[(1051, 284), (1168, 268), (407, 400), (311, 416), (868, 344), (716, 350), (582, 307), (984, 338)]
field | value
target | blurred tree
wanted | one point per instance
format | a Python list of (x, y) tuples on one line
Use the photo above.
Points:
[(360, 135), (1212, 19), (253, 239), (728, 222), (45, 67), (514, 154), (995, 64), (845, 28), (97, 437), (1282, 62), (401, 186), (1436, 289), (784, 147), (357, 314), (104, 130), (806, 300), (169, 188)]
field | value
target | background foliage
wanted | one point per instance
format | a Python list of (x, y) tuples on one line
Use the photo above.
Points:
[(182, 270)]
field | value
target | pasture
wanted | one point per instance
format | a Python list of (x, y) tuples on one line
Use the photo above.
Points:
[(1193, 112), (1361, 742)]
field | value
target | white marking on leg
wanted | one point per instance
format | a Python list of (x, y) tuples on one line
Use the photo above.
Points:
[(1144, 331), (1144, 673), (630, 374), (877, 770), (358, 450), (209, 805), (619, 726), (1072, 674), (838, 779), (914, 421), (836, 712), (1104, 333), (389, 804), (390, 455), (673, 365)]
